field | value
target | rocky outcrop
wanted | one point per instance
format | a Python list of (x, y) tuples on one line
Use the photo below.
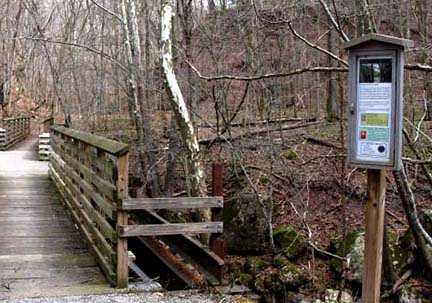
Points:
[(245, 228)]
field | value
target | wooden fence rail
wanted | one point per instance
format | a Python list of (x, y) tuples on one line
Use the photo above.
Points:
[(91, 173), (14, 130)]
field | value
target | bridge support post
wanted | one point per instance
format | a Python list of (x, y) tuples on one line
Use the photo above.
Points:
[(122, 220)]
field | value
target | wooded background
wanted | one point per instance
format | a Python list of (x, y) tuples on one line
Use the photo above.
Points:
[(264, 82)]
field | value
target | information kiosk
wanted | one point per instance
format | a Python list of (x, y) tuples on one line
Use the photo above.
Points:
[(376, 65)]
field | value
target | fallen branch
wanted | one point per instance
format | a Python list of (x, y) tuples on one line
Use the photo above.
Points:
[(396, 217), (263, 122), (323, 157), (398, 285), (322, 142), (256, 132), (323, 252)]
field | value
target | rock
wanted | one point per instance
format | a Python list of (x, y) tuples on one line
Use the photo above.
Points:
[(245, 228), (255, 265), (280, 285), (352, 247), (332, 296), (426, 220), (355, 257), (289, 241), (408, 295), (400, 256), (354, 253), (291, 276)]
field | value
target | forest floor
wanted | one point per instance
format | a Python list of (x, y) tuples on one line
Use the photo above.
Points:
[(304, 171)]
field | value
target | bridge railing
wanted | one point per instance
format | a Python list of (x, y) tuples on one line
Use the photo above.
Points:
[(91, 173), (13, 131)]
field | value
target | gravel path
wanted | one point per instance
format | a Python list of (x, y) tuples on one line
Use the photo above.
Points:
[(129, 298)]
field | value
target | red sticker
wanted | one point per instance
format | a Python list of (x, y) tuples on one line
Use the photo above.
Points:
[(363, 134)]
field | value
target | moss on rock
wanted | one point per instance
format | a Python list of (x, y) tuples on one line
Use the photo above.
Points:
[(277, 285), (279, 261), (255, 265), (341, 247), (290, 155), (289, 241), (400, 256), (245, 228)]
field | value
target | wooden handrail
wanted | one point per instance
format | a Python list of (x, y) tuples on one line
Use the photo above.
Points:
[(110, 146)]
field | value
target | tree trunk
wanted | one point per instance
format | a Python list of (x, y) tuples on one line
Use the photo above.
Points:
[(424, 250), (181, 113), (332, 113), (141, 118)]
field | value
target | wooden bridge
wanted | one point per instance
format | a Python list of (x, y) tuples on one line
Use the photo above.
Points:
[(69, 226)]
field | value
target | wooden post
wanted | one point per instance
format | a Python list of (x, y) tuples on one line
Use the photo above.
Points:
[(216, 242), (122, 220), (374, 228)]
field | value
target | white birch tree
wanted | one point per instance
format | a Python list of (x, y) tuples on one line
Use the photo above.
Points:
[(181, 113)]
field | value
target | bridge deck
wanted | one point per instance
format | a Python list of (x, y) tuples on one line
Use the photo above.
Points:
[(41, 251)]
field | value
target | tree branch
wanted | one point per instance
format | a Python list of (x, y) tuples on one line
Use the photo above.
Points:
[(269, 75), (419, 67), (85, 47), (295, 33), (333, 21), (106, 10)]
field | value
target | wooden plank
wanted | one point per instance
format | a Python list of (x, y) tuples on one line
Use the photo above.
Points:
[(46, 261), (122, 219), (74, 241), (172, 203), (67, 275), (30, 212), (46, 250), (374, 228), (170, 229), (216, 241), (185, 246)]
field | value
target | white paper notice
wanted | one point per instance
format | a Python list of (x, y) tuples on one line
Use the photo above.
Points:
[(374, 121), (373, 96)]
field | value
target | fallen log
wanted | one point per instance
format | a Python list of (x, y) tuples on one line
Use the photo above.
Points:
[(221, 139)]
